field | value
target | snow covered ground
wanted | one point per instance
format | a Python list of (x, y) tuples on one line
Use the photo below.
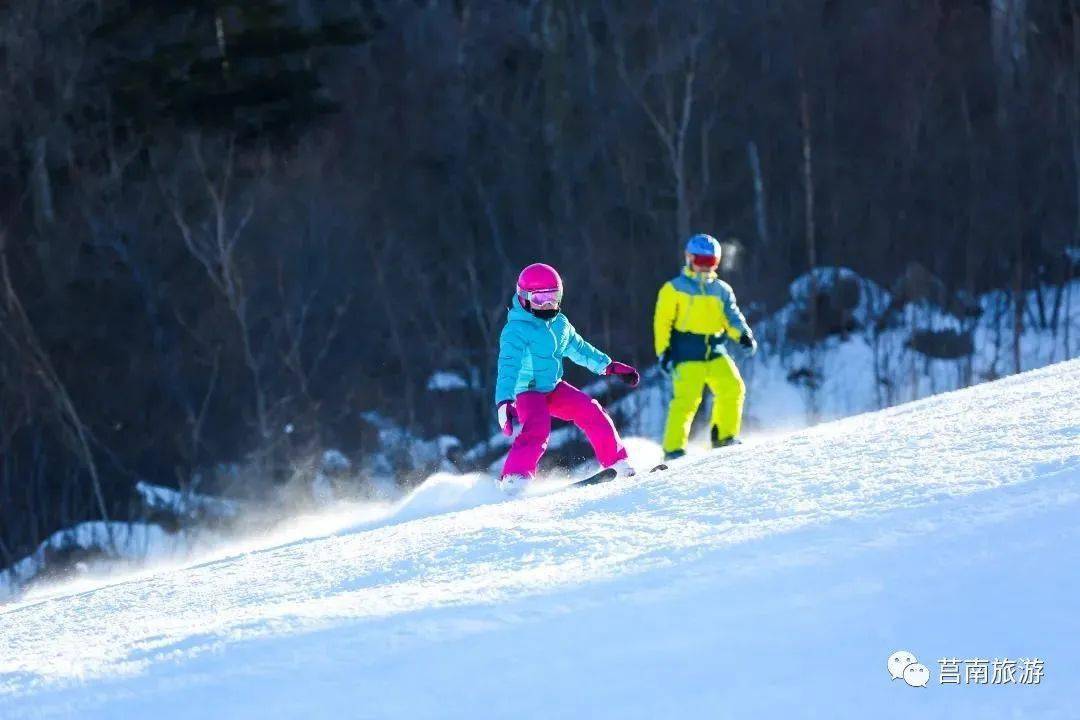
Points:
[(768, 580)]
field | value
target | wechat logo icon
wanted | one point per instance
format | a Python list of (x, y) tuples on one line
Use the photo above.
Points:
[(903, 665)]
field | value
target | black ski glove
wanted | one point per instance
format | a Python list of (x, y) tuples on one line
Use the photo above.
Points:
[(664, 361), (747, 341)]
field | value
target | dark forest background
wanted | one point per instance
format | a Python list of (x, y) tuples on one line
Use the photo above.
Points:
[(225, 219)]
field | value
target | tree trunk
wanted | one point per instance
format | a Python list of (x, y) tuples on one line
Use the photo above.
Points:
[(42, 187), (1018, 306), (759, 194), (808, 206), (1009, 41), (808, 178), (1076, 115)]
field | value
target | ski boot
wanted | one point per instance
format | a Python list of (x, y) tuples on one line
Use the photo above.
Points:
[(623, 468), (512, 484), (674, 454), (719, 442)]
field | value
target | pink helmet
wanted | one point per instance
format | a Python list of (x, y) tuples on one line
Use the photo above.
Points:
[(540, 286)]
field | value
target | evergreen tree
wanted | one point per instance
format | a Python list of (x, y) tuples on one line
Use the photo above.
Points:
[(242, 66)]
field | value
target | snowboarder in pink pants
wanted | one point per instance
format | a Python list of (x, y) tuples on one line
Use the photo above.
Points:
[(530, 389)]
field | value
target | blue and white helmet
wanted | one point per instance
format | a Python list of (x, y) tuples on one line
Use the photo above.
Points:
[(702, 244), (704, 249)]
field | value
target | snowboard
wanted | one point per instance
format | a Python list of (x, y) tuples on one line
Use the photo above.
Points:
[(607, 475)]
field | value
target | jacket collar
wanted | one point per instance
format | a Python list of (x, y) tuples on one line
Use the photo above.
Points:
[(699, 277)]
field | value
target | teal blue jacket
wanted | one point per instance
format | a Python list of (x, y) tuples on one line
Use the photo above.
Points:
[(531, 353)]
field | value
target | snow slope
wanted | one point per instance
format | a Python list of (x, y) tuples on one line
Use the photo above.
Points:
[(769, 580)]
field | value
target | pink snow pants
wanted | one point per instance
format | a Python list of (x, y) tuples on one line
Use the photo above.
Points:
[(566, 402)]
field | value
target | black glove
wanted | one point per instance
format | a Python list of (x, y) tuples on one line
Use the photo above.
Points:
[(747, 341), (664, 361)]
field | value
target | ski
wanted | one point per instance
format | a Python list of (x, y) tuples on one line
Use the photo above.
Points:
[(607, 475)]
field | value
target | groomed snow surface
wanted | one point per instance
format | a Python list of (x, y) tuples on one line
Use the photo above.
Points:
[(769, 580)]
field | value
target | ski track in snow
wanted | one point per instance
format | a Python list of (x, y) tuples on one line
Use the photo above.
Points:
[(770, 579)]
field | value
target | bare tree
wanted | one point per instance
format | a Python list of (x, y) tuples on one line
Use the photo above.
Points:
[(665, 87), (212, 236), (22, 338)]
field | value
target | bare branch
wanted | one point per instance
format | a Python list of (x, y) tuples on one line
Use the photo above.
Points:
[(44, 369)]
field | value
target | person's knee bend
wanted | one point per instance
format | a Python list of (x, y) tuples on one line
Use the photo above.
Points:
[(538, 441), (686, 403), (687, 395), (592, 411), (734, 387), (536, 432)]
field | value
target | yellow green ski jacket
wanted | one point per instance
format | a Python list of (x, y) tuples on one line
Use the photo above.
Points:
[(694, 313)]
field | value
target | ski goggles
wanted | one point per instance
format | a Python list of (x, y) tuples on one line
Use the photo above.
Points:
[(542, 299), (704, 260)]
